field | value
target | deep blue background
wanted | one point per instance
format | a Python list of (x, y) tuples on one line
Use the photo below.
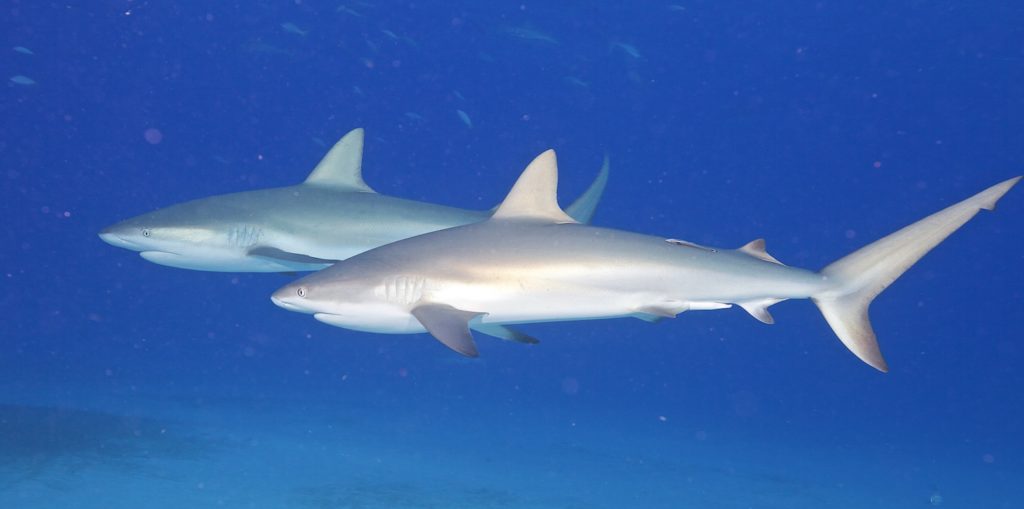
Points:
[(818, 125)]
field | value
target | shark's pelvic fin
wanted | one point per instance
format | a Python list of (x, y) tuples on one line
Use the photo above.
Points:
[(504, 332), (534, 195), (449, 326), (756, 248), (342, 167), (859, 277), (660, 310), (582, 210)]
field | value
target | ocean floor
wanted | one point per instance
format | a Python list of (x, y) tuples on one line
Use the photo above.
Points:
[(160, 450)]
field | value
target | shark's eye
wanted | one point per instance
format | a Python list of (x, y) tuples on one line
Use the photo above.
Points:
[(301, 291), (146, 232)]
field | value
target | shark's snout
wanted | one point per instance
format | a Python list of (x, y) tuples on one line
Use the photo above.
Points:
[(114, 235), (289, 299)]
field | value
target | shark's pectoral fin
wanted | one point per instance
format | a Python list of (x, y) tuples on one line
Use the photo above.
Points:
[(449, 326), (281, 255), (759, 309), (503, 332)]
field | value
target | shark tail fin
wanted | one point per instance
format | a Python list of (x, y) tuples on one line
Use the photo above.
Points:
[(583, 208), (859, 277)]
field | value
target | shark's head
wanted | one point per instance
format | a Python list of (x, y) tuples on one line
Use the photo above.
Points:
[(355, 295), (188, 235), (241, 232)]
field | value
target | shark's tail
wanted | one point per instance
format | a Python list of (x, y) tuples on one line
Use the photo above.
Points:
[(583, 208), (859, 277)]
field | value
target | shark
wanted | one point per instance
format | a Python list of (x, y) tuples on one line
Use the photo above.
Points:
[(331, 216), (532, 262)]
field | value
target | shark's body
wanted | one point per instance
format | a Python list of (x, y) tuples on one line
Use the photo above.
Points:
[(531, 262), (331, 216)]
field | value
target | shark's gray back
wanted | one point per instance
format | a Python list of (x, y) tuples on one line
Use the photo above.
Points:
[(335, 223)]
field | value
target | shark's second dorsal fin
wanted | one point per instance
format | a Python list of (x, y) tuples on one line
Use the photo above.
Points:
[(756, 249), (534, 195), (342, 167)]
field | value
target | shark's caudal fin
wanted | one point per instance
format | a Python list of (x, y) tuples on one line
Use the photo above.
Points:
[(534, 195), (861, 276), (583, 208), (342, 167)]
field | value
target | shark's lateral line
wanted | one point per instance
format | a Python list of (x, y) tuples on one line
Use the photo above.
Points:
[(331, 216), (531, 262)]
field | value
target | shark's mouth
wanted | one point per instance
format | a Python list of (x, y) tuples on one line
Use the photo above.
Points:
[(181, 262), (285, 304), (158, 256), (329, 319)]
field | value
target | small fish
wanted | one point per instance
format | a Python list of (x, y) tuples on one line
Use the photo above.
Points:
[(573, 80), (349, 11), (292, 28), (358, 91), (318, 141), (529, 34), (458, 95), (465, 118), (628, 49), (676, 8), (391, 35), (412, 43), (23, 50), (23, 80), (259, 47), (412, 115)]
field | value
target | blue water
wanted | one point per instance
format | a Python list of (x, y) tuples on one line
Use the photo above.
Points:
[(819, 126)]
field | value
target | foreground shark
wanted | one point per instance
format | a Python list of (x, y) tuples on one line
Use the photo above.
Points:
[(329, 217), (531, 262)]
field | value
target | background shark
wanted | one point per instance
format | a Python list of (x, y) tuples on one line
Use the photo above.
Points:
[(532, 262), (331, 216)]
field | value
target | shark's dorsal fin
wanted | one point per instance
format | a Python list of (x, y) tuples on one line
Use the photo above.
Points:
[(342, 167), (756, 249), (583, 208), (534, 194)]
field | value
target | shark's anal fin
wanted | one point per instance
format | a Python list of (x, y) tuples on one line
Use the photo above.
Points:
[(759, 309), (756, 248), (342, 167), (448, 325), (503, 332), (286, 256)]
